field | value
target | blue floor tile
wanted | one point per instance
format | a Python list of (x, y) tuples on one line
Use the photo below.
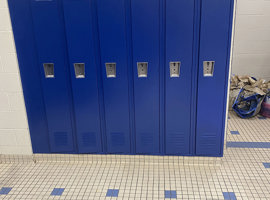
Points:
[(266, 165), (229, 196), (109, 193), (5, 190), (226, 195), (173, 194), (112, 193), (232, 195), (170, 194), (248, 145), (57, 191), (235, 132), (167, 194)]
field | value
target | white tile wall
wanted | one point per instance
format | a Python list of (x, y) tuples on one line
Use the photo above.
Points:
[(251, 55), (14, 132), (251, 49), (3, 4)]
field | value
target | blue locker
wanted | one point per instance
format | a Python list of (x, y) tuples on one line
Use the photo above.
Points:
[(146, 68), (21, 18), (113, 50), (213, 73), (83, 74), (50, 46), (124, 76), (179, 55)]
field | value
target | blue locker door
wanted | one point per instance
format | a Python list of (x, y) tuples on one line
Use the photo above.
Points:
[(145, 36), (21, 17), (214, 45), (179, 51), (50, 46), (113, 47), (85, 90)]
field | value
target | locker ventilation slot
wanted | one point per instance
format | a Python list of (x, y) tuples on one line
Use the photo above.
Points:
[(111, 70), (176, 140), (175, 69), (208, 145), (79, 69), (208, 68), (48, 70), (142, 69), (89, 139), (61, 138)]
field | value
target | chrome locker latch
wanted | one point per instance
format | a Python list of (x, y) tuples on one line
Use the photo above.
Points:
[(175, 69), (142, 68), (48, 70), (79, 69), (208, 68), (110, 70)]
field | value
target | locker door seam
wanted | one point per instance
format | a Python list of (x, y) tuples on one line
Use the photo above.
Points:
[(40, 75), (130, 72), (96, 64), (194, 83), (99, 75), (68, 79), (199, 18), (162, 75)]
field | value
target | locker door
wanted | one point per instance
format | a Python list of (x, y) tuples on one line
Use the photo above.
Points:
[(145, 36), (83, 74), (113, 47), (50, 46), (212, 80), (21, 17), (179, 41)]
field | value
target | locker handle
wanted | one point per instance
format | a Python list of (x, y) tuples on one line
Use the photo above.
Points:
[(48, 70), (142, 68), (208, 68), (175, 69), (110, 70), (79, 69)]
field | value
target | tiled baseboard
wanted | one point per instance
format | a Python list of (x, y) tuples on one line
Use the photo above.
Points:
[(136, 159), (16, 158)]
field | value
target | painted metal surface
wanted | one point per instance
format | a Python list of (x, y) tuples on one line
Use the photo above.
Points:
[(179, 40), (21, 19), (145, 38), (85, 89), (113, 49), (214, 45), (153, 113), (50, 45)]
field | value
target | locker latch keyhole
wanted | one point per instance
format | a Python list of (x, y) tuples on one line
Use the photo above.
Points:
[(208, 68), (175, 69), (79, 69), (142, 68), (48, 70), (110, 70)]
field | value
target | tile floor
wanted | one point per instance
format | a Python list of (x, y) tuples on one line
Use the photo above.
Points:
[(243, 175)]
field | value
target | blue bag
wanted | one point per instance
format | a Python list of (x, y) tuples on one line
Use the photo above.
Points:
[(247, 106)]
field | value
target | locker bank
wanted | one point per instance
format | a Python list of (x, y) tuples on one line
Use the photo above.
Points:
[(124, 76)]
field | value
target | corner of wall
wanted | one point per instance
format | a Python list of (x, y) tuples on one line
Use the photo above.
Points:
[(14, 131)]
